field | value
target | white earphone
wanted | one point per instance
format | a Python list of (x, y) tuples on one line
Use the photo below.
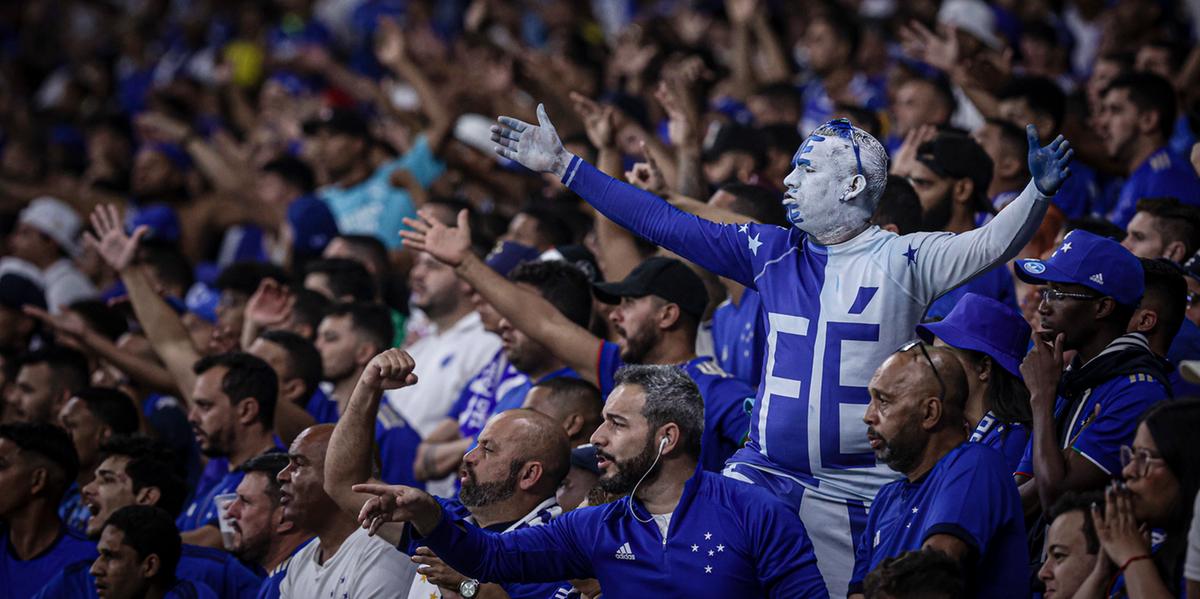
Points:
[(662, 444)]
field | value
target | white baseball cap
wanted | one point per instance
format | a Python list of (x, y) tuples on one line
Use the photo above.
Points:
[(972, 16), (56, 219)]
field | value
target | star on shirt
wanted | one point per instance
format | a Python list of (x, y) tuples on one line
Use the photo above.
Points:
[(720, 548), (707, 536), (744, 229), (1066, 247), (708, 569), (695, 548), (711, 553), (911, 254), (915, 510), (754, 243)]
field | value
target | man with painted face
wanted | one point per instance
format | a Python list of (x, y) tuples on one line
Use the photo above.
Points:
[(827, 286)]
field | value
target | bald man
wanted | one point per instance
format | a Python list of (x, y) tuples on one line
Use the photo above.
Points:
[(574, 403), (508, 479), (956, 497), (343, 560)]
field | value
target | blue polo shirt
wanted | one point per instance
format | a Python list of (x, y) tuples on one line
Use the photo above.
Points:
[(726, 423), (969, 494), (725, 539), (1104, 421), (740, 337), (23, 578), (211, 568), (270, 585), (1163, 174)]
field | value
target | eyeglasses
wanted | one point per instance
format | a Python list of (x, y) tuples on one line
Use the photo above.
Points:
[(920, 344), (1050, 294), (1140, 459)]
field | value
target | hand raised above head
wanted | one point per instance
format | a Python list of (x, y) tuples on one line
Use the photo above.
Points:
[(536, 147), (1049, 165)]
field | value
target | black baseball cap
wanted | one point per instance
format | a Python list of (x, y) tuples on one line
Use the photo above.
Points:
[(339, 120), (584, 457), (17, 291), (667, 278), (957, 156)]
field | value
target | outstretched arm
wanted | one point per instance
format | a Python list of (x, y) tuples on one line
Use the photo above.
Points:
[(715, 247), (527, 311), (348, 457)]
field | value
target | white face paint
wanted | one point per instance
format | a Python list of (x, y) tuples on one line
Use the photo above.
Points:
[(823, 180)]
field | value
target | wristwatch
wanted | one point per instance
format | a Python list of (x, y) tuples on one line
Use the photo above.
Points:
[(468, 588)]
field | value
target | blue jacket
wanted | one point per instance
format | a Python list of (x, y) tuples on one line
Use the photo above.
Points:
[(726, 539)]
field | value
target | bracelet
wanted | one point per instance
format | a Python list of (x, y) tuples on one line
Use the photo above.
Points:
[(1133, 559)]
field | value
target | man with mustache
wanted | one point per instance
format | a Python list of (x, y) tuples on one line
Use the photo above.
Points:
[(682, 532), (134, 470), (261, 535), (955, 497), (508, 480)]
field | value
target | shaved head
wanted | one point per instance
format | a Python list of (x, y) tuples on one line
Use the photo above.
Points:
[(541, 439)]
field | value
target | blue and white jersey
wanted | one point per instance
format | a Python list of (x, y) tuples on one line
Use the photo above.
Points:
[(1009, 439), (834, 313), (970, 495), (1163, 174), (478, 399), (24, 577), (739, 337)]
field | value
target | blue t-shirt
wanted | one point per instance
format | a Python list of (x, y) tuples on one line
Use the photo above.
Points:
[(1185, 346), (202, 509), (477, 402), (1009, 439), (726, 423), (970, 495), (1079, 193), (374, 207), (740, 337), (22, 578), (996, 283), (1163, 174), (1104, 421), (321, 407), (515, 398), (397, 443), (726, 538), (213, 569), (269, 589)]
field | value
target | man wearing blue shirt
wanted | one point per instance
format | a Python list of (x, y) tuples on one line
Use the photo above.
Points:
[(682, 532), (92, 416), (829, 285), (1137, 114), (37, 463), (139, 549), (659, 307), (956, 497), (260, 534), (1082, 417), (139, 471)]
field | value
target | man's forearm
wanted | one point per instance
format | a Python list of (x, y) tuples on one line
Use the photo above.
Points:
[(164, 329), (1049, 465), (348, 457)]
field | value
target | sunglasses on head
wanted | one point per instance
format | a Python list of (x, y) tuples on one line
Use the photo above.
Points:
[(924, 352)]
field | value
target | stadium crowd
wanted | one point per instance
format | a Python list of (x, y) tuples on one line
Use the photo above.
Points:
[(551, 299)]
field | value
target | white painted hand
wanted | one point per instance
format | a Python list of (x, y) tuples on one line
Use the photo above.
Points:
[(536, 147)]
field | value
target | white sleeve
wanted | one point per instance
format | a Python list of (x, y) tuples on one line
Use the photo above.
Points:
[(384, 571), (1191, 565), (943, 261)]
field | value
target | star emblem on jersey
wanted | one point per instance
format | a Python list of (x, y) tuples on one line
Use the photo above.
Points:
[(911, 254), (708, 569), (744, 229), (1097, 278), (707, 536), (1066, 247), (695, 548), (754, 243), (625, 553)]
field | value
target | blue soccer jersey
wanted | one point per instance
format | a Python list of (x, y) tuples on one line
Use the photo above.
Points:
[(1009, 439), (1163, 174), (24, 577), (724, 539), (739, 337), (725, 420), (212, 568), (970, 495), (321, 406), (833, 314), (478, 399), (397, 443)]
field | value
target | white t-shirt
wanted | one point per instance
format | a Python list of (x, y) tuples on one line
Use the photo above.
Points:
[(446, 362), (65, 284), (363, 567)]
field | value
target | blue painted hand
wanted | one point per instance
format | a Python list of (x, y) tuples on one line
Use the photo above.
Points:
[(1049, 165)]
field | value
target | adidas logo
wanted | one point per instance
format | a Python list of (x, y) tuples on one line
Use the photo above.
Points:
[(1097, 278), (624, 552)]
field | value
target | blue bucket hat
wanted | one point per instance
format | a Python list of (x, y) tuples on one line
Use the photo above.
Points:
[(1095, 262), (982, 324), (507, 255)]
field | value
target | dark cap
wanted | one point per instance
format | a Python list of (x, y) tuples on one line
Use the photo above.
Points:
[(732, 137), (667, 278), (957, 156), (17, 291), (584, 457), (508, 255), (339, 120)]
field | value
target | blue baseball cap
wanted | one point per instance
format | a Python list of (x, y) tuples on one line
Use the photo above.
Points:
[(313, 226), (980, 323), (160, 220), (507, 255), (1095, 262)]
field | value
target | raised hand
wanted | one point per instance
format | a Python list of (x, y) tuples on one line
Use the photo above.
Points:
[(536, 147), (271, 305), (598, 121), (1120, 534), (69, 327), (740, 11), (680, 126), (1048, 165), (646, 175), (391, 369), (114, 246), (450, 245), (397, 503), (1042, 368), (921, 43), (389, 42)]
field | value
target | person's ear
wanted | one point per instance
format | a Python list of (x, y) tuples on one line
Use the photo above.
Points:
[(150, 566), (247, 411), (147, 496), (1144, 320), (38, 479), (363, 352), (984, 369), (291, 390), (573, 425), (744, 167), (1105, 306), (1176, 252), (962, 190), (1148, 122), (668, 315), (531, 475), (667, 439), (855, 187), (932, 413)]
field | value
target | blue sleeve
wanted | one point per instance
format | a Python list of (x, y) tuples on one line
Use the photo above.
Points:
[(608, 362), (1025, 466), (787, 563), (732, 251), (270, 586), (1120, 402), (549, 553), (973, 498)]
